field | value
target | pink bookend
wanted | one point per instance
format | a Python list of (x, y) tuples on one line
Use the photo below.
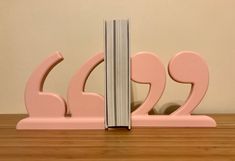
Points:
[(184, 67), (87, 108), (47, 110)]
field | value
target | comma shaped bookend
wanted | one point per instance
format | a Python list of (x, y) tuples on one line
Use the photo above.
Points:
[(184, 67), (87, 108), (47, 110)]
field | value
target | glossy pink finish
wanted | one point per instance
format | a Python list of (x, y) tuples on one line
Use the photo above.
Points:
[(185, 67)]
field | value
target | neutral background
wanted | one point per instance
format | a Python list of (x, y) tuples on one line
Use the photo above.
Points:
[(30, 30)]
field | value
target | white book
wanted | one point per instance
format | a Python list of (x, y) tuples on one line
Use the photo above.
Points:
[(117, 77)]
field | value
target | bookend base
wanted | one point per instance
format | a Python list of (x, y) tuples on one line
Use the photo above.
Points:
[(173, 121), (61, 123)]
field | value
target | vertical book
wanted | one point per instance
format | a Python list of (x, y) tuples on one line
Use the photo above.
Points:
[(117, 77)]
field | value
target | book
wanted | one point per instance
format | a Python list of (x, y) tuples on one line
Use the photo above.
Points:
[(117, 77)]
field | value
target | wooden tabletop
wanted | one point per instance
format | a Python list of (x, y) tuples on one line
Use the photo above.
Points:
[(139, 144)]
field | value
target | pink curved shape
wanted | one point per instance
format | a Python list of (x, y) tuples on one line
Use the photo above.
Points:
[(87, 108), (189, 67), (146, 67), (38, 102), (81, 103)]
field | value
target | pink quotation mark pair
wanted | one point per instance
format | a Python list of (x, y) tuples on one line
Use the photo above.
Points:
[(47, 110)]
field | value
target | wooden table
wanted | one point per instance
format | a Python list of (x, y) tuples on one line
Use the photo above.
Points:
[(142, 144)]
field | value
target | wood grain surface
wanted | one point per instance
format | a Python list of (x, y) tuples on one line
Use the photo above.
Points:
[(138, 144)]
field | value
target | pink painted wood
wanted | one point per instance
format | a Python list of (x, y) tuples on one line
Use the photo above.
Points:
[(147, 68), (87, 106), (38, 102), (189, 67), (47, 110), (185, 67)]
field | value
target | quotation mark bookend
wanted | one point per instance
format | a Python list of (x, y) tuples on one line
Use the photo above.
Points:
[(184, 67), (47, 110)]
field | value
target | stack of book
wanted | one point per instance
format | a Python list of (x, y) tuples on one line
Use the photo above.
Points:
[(117, 77)]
